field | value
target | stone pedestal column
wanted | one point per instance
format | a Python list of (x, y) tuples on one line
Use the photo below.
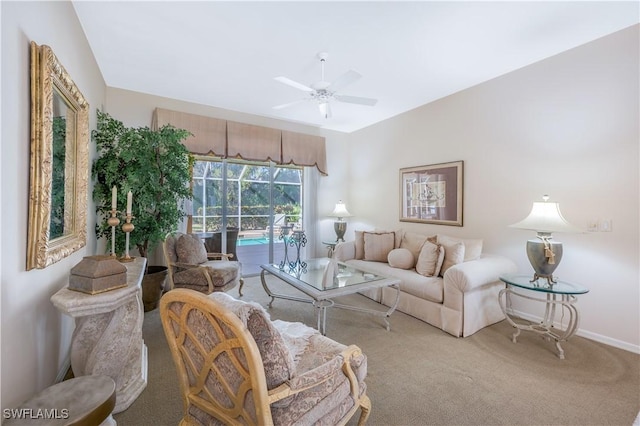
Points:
[(107, 339)]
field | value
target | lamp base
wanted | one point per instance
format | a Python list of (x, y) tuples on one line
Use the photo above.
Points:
[(340, 227), (539, 256)]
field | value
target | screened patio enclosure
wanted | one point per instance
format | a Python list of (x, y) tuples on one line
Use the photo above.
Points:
[(257, 199)]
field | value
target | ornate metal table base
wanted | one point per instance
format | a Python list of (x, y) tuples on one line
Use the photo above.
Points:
[(546, 327), (296, 240)]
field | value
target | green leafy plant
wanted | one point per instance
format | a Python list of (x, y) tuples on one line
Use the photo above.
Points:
[(58, 177), (154, 165)]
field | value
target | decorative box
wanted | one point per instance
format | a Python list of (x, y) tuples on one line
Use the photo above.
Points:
[(97, 274)]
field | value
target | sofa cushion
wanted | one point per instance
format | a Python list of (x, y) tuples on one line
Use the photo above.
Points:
[(400, 258), (453, 253), (377, 246), (430, 255), (190, 249), (429, 288)]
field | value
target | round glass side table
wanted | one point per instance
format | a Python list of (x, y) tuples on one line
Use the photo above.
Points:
[(560, 294)]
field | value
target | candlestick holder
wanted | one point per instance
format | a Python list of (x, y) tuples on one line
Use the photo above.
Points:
[(127, 227), (113, 221)]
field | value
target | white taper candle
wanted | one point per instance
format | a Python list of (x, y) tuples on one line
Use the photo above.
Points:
[(129, 200)]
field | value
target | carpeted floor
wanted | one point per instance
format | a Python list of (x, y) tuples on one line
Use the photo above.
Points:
[(419, 375)]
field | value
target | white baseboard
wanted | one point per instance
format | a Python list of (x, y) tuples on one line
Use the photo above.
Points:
[(584, 333)]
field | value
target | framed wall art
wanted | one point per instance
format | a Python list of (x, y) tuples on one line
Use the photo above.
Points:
[(432, 194)]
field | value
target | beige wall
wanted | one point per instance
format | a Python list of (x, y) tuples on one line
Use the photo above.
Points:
[(566, 126), (35, 336)]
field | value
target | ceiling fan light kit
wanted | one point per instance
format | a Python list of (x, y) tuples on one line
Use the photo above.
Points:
[(323, 92)]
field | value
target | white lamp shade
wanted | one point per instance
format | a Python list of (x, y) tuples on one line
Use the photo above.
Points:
[(546, 217), (340, 211)]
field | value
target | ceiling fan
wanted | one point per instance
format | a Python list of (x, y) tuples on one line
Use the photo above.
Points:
[(323, 92)]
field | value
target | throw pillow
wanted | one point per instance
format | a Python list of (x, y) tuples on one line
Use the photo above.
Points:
[(428, 259), (378, 246), (440, 260), (453, 253), (399, 233), (413, 242), (400, 258), (190, 249), (472, 249), (359, 245)]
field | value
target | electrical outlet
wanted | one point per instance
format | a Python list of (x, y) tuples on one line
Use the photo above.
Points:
[(605, 225), (592, 225)]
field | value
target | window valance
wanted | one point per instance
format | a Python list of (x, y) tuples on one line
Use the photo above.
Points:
[(209, 134), (230, 139)]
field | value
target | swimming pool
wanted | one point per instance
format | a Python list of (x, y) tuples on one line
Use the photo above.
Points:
[(254, 241)]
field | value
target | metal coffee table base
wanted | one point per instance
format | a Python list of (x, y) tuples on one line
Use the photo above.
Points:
[(322, 304)]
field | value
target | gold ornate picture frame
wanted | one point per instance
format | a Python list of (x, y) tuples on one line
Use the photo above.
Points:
[(432, 194), (59, 163)]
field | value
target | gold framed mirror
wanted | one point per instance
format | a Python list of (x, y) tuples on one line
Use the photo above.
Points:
[(59, 165)]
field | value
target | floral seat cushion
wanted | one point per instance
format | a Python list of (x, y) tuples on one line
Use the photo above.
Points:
[(221, 272)]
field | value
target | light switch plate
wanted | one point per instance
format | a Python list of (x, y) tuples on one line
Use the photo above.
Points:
[(592, 225), (605, 225)]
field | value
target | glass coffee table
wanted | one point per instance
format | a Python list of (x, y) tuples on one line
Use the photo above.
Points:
[(322, 280)]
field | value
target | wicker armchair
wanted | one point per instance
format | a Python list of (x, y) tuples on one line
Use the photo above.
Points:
[(236, 366), (190, 266)]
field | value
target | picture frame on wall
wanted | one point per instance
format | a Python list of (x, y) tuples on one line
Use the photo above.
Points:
[(432, 194)]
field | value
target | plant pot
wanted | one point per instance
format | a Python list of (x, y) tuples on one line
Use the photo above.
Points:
[(152, 286)]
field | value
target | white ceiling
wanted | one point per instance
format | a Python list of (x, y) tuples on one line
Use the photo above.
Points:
[(226, 54)]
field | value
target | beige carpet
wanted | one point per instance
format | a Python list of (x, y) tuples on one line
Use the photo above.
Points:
[(419, 375)]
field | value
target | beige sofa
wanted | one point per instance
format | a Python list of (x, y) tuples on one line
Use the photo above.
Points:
[(447, 282)]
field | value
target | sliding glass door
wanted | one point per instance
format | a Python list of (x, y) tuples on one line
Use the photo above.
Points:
[(256, 199)]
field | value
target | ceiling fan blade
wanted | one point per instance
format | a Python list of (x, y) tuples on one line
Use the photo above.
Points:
[(344, 80), (325, 109), (289, 104), (356, 100), (295, 84)]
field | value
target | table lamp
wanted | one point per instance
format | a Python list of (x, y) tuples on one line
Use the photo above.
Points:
[(545, 255), (340, 226)]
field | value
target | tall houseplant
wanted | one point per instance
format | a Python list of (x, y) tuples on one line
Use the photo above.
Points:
[(154, 165)]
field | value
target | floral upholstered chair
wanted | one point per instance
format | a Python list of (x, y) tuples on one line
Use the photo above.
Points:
[(190, 266), (236, 366)]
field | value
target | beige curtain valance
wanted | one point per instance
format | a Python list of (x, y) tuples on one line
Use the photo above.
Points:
[(253, 142), (209, 134), (230, 139), (304, 150)]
